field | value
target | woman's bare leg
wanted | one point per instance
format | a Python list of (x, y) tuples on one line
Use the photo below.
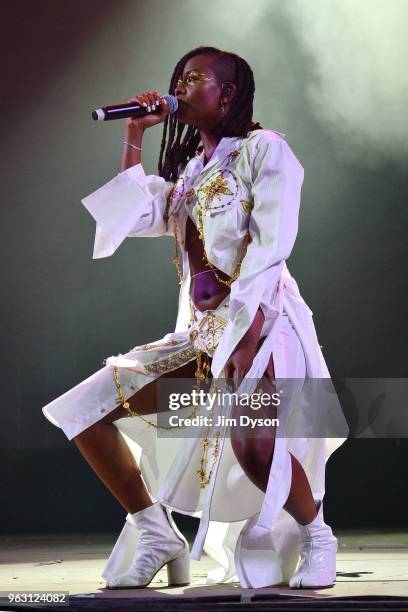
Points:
[(255, 457), (107, 453), (300, 503)]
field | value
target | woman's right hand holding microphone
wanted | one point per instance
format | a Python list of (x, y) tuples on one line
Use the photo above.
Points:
[(153, 101), (135, 126)]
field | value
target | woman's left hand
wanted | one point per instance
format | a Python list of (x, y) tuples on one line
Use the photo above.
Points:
[(240, 361)]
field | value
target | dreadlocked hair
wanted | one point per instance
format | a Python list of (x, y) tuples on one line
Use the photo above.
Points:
[(237, 122)]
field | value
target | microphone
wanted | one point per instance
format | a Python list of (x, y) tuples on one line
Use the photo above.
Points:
[(132, 109)]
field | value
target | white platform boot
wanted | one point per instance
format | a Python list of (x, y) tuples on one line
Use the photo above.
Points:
[(160, 543), (317, 567)]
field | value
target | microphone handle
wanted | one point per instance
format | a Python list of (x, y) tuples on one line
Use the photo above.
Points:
[(119, 111)]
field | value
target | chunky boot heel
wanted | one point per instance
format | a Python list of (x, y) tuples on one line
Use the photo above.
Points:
[(178, 570), (160, 544)]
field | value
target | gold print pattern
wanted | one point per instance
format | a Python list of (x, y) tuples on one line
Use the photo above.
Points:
[(215, 188), (147, 347), (247, 205), (211, 189), (206, 332), (170, 363)]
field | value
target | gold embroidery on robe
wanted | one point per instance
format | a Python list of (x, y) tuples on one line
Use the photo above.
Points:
[(247, 205), (171, 363), (147, 347), (215, 188)]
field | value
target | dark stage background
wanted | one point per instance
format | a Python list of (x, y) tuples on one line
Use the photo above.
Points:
[(62, 313)]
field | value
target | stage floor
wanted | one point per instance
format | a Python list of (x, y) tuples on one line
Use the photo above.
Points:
[(371, 563)]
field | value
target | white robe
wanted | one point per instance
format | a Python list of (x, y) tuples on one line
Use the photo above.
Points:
[(254, 184)]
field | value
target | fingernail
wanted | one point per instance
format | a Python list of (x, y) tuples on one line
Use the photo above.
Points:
[(144, 104), (149, 109)]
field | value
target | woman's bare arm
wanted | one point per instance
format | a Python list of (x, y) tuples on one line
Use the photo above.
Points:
[(131, 156)]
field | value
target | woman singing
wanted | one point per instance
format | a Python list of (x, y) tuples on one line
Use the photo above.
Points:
[(228, 191)]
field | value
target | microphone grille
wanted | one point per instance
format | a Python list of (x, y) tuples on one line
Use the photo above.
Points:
[(172, 102)]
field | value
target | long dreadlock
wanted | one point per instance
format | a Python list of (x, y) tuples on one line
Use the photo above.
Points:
[(237, 122)]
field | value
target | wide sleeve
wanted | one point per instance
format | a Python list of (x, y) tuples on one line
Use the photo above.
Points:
[(276, 189), (130, 204)]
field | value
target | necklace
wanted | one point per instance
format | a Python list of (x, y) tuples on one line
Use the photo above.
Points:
[(203, 272)]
